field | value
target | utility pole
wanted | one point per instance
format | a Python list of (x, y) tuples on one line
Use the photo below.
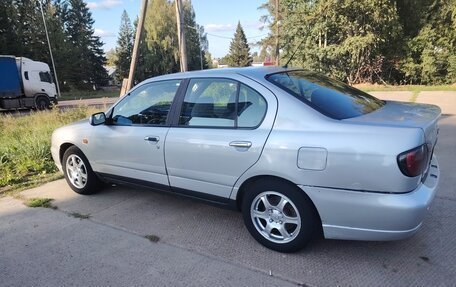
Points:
[(200, 48), (277, 50), (181, 36), (50, 51), (134, 56)]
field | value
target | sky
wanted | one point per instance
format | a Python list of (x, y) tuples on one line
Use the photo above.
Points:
[(219, 18)]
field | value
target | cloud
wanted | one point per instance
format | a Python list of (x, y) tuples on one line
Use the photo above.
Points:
[(103, 33), (219, 27), (104, 4)]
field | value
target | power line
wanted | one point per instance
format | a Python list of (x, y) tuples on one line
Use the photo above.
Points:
[(226, 37)]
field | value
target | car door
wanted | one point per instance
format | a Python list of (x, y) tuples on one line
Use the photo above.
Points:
[(219, 133), (131, 144)]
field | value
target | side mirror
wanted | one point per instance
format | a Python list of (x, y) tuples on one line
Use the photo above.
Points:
[(97, 119)]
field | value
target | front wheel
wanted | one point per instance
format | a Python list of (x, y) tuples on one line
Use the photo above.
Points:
[(78, 172), (279, 215), (42, 103)]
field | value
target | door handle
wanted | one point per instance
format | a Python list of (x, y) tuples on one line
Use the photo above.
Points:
[(242, 144), (151, 139)]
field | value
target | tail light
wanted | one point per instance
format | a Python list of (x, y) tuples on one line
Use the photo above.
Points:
[(413, 162)]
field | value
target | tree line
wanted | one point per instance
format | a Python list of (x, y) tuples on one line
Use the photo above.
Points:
[(158, 48), (78, 53), (374, 41)]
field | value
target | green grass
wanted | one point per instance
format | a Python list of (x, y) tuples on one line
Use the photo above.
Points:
[(40, 202), (77, 95), (25, 142), (410, 88)]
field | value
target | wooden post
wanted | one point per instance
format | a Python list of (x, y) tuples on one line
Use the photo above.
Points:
[(134, 56), (181, 36)]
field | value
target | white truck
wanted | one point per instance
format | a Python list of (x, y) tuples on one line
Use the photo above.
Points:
[(25, 83)]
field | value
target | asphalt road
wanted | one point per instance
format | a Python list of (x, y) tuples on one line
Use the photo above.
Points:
[(101, 103), (202, 245)]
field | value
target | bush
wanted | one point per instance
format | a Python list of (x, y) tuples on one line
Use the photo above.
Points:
[(25, 143)]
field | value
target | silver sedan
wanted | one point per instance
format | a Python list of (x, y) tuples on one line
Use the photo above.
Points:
[(298, 153)]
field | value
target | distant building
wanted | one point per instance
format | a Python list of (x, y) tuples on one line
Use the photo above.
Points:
[(267, 62), (111, 70)]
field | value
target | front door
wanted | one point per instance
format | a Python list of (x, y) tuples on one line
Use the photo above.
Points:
[(222, 128), (131, 145)]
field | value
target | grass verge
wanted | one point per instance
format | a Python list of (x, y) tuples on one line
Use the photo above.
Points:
[(409, 88), (25, 142), (77, 95)]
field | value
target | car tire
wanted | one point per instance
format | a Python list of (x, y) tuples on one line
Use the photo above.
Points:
[(78, 172), (279, 215)]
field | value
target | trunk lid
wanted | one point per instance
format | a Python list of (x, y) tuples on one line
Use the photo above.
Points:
[(401, 114)]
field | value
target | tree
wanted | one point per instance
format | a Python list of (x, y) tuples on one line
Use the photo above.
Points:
[(239, 55), (158, 50), (8, 36), (348, 39), (124, 47), (196, 39), (431, 50), (87, 52), (386, 41), (160, 53), (54, 14), (111, 57), (269, 44)]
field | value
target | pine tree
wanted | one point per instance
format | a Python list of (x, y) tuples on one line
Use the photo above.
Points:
[(239, 55), (29, 31), (124, 47), (9, 43), (61, 48), (87, 54), (193, 37)]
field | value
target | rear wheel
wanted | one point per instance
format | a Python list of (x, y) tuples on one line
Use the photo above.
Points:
[(42, 103), (78, 172), (279, 215)]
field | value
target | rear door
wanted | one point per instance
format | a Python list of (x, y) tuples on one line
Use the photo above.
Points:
[(219, 133)]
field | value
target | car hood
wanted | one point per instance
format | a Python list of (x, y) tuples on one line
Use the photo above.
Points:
[(401, 114), (68, 130)]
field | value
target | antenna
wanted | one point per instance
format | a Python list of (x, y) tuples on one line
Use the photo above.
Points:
[(299, 46)]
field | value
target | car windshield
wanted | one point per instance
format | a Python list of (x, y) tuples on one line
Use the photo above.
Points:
[(330, 97)]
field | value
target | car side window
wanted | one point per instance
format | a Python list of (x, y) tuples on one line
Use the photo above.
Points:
[(148, 104), (209, 102), (221, 103), (251, 107)]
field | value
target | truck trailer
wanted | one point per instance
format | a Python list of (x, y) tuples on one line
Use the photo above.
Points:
[(25, 84)]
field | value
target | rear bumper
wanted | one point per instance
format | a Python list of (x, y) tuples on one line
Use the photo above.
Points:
[(358, 215)]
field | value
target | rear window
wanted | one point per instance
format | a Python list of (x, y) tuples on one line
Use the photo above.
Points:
[(332, 98)]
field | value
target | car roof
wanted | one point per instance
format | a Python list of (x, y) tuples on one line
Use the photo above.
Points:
[(251, 72)]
